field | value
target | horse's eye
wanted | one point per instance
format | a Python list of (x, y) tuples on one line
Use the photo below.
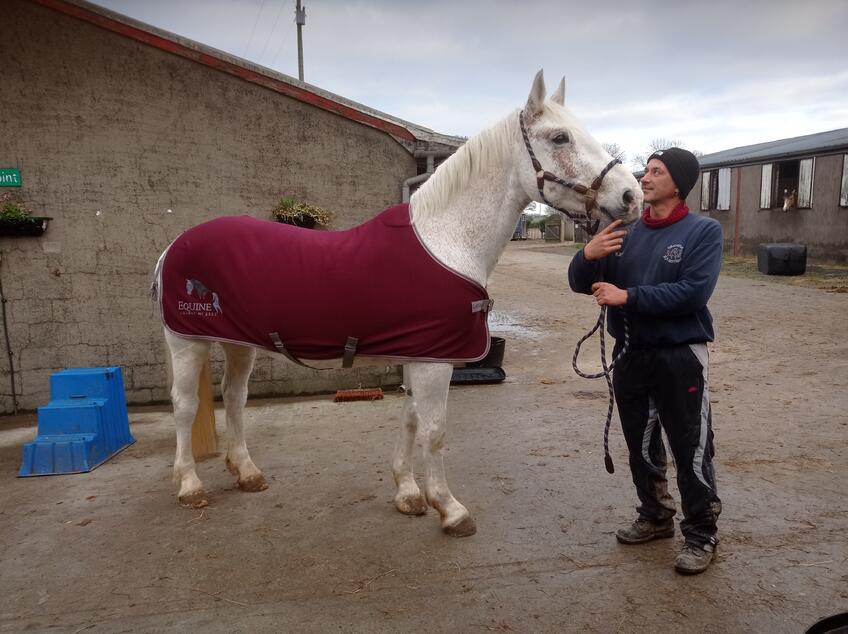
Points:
[(560, 138)]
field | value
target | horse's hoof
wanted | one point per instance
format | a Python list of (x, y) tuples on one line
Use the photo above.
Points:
[(195, 500), (465, 528), (253, 484), (411, 504)]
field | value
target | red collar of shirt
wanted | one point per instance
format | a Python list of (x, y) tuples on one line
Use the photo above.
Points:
[(679, 213)]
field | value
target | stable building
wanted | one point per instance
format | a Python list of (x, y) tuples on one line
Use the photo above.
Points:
[(789, 191), (124, 135)]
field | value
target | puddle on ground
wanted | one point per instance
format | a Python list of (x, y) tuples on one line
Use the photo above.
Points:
[(503, 323)]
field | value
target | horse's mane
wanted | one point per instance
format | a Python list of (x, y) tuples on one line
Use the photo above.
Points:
[(478, 155)]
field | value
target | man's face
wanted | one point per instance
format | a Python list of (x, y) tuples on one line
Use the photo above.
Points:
[(657, 183)]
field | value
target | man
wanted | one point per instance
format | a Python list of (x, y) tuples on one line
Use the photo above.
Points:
[(660, 273)]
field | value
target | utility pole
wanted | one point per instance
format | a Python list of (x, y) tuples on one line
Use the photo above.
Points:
[(300, 20)]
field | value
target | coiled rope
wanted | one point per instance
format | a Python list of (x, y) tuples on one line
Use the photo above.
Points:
[(606, 373)]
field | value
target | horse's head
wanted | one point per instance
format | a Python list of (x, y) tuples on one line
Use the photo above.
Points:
[(789, 199), (571, 171)]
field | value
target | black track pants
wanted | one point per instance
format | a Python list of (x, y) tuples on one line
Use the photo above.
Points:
[(668, 387)]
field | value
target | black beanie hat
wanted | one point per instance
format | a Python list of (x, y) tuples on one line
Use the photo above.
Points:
[(683, 167)]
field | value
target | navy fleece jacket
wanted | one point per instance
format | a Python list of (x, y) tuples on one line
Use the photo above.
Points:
[(669, 273)]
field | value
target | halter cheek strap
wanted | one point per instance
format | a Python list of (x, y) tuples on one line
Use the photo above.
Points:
[(590, 194)]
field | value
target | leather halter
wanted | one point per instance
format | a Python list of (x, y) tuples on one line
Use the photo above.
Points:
[(590, 194)]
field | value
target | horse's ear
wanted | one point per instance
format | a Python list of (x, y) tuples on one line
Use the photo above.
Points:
[(559, 94), (536, 100)]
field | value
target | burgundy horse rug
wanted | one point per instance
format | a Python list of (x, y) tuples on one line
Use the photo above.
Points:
[(373, 290)]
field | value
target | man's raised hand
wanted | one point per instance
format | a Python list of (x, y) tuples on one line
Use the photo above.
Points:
[(607, 241)]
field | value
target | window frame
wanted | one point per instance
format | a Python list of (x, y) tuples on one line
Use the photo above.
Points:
[(843, 190), (806, 191), (766, 193), (723, 193), (706, 190), (712, 198)]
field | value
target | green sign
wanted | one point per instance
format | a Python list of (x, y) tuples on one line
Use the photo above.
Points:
[(10, 177)]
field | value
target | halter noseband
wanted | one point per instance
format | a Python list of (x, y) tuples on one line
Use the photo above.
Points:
[(590, 194)]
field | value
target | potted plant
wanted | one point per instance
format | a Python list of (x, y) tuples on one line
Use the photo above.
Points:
[(17, 220), (300, 214)]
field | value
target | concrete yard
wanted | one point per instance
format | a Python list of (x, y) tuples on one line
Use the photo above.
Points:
[(324, 550)]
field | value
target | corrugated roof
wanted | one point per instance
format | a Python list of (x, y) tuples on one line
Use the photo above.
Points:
[(809, 144)]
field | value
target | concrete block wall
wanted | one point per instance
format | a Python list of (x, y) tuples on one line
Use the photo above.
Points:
[(125, 146)]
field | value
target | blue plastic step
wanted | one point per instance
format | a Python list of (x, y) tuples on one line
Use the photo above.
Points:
[(106, 383), (61, 453), (77, 416), (85, 423)]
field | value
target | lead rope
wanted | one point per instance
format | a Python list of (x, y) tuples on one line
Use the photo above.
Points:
[(606, 373)]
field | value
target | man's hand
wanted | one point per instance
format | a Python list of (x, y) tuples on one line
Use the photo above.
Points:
[(608, 294), (605, 242)]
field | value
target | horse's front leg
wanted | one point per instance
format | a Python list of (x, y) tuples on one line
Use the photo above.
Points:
[(239, 365), (429, 383), (408, 498), (187, 359)]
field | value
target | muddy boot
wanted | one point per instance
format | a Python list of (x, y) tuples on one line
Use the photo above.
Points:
[(642, 531), (694, 559)]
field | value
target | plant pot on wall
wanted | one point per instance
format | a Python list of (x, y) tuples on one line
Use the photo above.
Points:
[(291, 211), (307, 222), (28, 226)]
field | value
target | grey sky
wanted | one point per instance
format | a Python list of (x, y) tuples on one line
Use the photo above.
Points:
[(714, 74)]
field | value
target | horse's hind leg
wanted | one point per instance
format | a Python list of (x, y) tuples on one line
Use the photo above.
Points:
[(187, 359), (408, 498), (239, 365), (429, 383)]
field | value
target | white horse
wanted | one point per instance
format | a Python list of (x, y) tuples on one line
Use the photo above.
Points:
[(464, 215)]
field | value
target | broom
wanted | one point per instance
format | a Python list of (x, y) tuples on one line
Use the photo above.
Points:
[(361, 394)]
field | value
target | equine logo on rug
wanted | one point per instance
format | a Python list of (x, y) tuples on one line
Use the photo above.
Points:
[(673, 253), (201, 308)]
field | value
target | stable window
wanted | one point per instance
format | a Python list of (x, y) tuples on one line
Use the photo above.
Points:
[(709, 184), (787, 184), (715, 190), (843, 192)]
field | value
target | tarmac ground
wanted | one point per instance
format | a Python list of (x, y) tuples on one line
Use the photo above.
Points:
[(324, 550)]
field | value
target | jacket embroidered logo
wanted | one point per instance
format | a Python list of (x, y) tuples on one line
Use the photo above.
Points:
[(673, 253)]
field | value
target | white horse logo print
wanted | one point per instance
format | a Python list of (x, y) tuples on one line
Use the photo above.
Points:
[(200, 308)]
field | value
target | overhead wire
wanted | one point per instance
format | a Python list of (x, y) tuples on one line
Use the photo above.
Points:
[(253, 32), (271, 32), (282, 42)]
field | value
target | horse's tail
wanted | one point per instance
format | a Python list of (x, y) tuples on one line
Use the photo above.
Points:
[(156, 285)]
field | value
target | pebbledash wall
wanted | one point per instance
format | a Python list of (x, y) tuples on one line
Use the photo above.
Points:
[(125, 145)]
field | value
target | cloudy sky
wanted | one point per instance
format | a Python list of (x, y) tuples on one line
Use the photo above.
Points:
[(714, 75)]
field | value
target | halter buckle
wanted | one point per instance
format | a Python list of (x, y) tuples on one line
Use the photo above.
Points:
[(591, 197)]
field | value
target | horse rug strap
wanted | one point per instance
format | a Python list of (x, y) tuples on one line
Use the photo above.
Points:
[(373, 290)]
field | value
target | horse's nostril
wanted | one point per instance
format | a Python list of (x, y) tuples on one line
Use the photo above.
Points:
[(628, 197)]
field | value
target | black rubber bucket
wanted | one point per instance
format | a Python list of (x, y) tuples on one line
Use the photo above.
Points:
[(477, 376), (486, 370), (495, 357), (835, 624)]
